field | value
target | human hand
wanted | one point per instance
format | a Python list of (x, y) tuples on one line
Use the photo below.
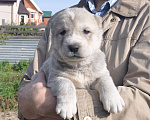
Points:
[(36, 101)]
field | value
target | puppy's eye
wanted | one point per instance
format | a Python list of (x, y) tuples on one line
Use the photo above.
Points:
[(86, 31), (63, 32)]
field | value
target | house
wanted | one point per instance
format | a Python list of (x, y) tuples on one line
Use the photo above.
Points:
[(46, 16), (12, 12), (35, 13), (23, 13)]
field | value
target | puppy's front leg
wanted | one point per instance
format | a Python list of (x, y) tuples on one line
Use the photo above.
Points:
[(65, 92), (109, 95)]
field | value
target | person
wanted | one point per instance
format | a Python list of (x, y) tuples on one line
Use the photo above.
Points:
[(126, 44)]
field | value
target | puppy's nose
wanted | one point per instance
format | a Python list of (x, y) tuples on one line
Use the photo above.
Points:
[(73, 48)]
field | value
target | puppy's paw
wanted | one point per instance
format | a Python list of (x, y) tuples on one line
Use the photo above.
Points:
[(66, 109), (113, 104)]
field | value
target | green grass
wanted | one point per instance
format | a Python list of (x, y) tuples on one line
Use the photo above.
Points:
[(10, 76)]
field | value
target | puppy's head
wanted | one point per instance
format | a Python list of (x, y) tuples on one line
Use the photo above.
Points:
[(76, 34)]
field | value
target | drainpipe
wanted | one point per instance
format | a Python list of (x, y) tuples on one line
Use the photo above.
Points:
[(12, 14), (29, 17)]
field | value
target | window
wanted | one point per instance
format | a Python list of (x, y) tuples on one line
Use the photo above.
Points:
[(22, 19), (32, 15)]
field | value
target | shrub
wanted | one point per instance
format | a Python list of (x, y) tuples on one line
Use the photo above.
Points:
[(21, 66), (10, 76)]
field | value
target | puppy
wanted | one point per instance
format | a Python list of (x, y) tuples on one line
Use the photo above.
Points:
[(76, 62)]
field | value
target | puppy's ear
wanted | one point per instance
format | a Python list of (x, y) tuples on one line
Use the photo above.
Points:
[(99, 20), (50, 23)]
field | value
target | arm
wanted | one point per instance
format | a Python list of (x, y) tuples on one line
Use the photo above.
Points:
[(135, 91), (27, 90), (34, 99)]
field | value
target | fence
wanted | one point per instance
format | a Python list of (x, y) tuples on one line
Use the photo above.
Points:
[(14, 29), (18, 48)]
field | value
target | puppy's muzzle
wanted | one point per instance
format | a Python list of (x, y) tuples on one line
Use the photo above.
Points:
[(73, 48)]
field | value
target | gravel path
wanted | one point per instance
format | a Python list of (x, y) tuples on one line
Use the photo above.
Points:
[(10, 115)]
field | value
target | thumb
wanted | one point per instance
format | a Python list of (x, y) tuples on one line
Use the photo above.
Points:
[(41, 78)]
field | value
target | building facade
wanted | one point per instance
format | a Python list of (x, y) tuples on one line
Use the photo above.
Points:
[(35, 13), (12, 12), (46, 16)]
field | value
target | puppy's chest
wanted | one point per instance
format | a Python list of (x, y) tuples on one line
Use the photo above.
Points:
[(82, 78)]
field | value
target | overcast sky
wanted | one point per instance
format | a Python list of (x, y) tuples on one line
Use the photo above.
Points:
[(55, 5)]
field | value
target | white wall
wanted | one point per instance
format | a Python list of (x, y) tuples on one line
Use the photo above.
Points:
[(5, 13), (8, 13), (15, 10)]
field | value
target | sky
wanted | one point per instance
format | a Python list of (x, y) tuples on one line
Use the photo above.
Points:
[(55, 5)]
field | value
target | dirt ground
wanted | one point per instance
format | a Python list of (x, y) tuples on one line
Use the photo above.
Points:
[(9, 115)]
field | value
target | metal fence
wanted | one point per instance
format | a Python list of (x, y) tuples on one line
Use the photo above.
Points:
[(16, 50)]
